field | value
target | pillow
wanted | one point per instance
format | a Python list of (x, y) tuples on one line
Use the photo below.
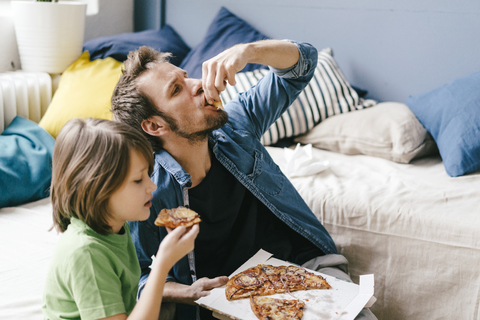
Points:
[(225, 31), (362, 93), (451, 113), (84, 91), (327, 94), (390, 131), (25, 163), (118, 46)]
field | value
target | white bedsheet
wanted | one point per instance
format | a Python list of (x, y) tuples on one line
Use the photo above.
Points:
[(413, 226), (26, 247)]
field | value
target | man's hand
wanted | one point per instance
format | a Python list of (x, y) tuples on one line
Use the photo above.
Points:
[(180, 293), (223, 67), (202, 287)]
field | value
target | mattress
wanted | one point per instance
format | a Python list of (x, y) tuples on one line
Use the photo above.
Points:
[(26, 247), (413, 226)]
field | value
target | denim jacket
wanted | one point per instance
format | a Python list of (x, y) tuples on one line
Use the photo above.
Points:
[(237, 146)]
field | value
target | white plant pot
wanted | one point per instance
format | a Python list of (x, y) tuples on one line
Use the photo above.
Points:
[(49, 34)]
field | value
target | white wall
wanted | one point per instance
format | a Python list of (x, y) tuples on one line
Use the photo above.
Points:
[(113, 17), (8, 43)]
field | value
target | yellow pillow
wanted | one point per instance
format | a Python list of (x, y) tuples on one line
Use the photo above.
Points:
[(84, 91)]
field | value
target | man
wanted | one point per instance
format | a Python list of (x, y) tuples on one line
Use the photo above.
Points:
[(212, 161)]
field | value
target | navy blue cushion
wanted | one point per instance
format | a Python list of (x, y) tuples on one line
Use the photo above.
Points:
[(225, 31), (451, 113), (25, 162), (118, 46)]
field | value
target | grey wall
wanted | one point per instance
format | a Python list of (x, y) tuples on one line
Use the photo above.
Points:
[(391, 48)]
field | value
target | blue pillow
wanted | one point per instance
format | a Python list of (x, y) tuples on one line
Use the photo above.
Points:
[(118, 46), (451, 113), (25, 162), (225, 31)]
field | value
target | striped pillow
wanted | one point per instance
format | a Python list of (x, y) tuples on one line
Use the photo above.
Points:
[(327, 94)]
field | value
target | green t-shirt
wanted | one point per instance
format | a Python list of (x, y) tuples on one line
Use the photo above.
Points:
[(91, 276)]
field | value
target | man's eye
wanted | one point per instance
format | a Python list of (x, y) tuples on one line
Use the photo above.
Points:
[(176, 90)]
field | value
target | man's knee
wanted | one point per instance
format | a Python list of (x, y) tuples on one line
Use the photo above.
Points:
[(337, 261)]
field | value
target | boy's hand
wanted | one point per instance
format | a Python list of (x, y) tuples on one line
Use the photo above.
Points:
[(177, 244)]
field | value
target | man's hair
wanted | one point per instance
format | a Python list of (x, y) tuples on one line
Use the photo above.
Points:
[(129, 104), (90, 161)]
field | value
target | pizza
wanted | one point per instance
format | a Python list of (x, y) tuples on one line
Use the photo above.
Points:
[(263, 280), (218, 104), (181, 216), (268, 308)]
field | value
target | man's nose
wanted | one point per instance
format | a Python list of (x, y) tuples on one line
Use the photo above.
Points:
[(196, 86)]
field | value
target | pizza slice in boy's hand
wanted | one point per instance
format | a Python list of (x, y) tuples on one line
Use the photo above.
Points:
[(181, 216), (267, 308)]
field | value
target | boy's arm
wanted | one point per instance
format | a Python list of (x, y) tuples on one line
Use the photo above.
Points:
[(176, 245)]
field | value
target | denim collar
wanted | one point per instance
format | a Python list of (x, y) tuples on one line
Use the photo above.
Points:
[(165, 160)]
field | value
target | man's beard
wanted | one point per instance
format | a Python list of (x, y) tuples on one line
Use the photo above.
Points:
[(212, 123)]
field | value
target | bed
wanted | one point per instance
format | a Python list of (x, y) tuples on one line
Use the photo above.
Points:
[(398, 188), (411, 225)]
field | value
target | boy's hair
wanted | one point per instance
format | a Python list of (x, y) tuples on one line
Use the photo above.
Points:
[(129, 104), (90, 161)]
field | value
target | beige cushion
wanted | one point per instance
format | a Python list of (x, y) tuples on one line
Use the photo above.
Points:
[(388, 130)]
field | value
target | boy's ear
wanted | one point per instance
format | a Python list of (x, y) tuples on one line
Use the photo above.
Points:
[(155, 126)]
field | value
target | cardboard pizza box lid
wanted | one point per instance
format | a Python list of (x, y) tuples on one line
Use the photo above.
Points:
[(343, 301)]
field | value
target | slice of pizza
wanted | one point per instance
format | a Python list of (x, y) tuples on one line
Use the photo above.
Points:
[(293, 278), (218, 104), (249, 282), (267, 308), (181, 216), (265, 279)]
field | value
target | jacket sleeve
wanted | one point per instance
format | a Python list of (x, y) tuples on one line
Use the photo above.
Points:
[(258, 108)]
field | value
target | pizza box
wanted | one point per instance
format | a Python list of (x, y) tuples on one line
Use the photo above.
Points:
[(342, 302)]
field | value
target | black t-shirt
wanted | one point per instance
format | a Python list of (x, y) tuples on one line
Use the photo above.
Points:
[(235, 225)]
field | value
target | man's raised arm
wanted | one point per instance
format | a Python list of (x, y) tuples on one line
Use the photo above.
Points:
[(223, 67)]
